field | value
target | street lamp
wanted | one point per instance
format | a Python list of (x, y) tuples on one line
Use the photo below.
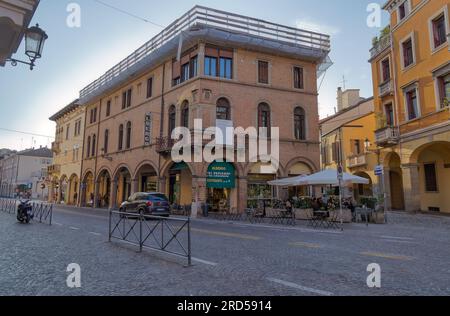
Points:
[(35, 39)]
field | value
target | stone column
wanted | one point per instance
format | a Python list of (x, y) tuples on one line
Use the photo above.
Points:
[(387, 187), (162, 185), (201, 59), (411, 187), (199, 195), (58, 196), (134, 186), (242, 184), (96, 203), (113, 200)]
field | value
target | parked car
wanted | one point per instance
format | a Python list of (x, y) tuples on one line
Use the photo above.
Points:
[(153, 203)]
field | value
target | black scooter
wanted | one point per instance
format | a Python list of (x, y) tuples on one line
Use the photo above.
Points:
[(24, 212)]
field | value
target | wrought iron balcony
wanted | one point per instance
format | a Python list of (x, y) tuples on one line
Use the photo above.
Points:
[(357, 161), (386, 88), (387, 136), (52, 169), (164, 145)]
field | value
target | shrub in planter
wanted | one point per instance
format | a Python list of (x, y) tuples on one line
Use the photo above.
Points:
[(369, 201)]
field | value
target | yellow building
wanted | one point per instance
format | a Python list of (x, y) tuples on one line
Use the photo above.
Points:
[(411, 78), (67, 152), (343, 139)]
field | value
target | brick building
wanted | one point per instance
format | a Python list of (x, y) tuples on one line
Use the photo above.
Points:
[(228, 70)]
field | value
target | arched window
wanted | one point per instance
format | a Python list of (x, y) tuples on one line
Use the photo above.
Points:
[(94, 140), (185, 114), (120, 137), (128, 144), (299, 123), (172, 117), (88, 148), (264, 117), (106, 142), (223, 111)]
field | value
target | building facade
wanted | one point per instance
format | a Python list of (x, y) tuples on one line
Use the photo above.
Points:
[(343, 141), (411, 78), (15, 17), (23, 173), (65, 172), (225, 78)]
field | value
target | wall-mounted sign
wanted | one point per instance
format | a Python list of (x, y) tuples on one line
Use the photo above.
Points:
[(221, 175), (148, 129)]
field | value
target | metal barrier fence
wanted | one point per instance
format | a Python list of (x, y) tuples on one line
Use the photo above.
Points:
[(164, 234), (43, 212), (8, 206)]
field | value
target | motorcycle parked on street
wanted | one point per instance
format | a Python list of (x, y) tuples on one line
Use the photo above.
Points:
[(24, 212)]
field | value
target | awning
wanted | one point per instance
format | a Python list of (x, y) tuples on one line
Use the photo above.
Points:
[(326, 177)]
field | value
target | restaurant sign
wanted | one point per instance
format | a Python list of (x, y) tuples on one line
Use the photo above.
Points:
[(148, 129), (221, 175)]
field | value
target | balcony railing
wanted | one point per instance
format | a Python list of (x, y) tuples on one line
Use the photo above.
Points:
[(52, 169), (200, 15), (380, 46), (164, 145), (387, 136), (386, 88), (357, 161)]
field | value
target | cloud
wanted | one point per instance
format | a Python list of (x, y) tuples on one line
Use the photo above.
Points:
[(315, 26)]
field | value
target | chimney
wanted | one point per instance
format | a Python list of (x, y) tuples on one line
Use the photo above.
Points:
[(339, 99)]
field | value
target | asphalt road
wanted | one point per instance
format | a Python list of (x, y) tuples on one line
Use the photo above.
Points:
[(228, 258)]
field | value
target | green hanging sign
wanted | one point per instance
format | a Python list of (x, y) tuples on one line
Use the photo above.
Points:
[(221, 175)]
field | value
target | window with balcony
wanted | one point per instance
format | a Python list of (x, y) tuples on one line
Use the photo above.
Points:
[(172, 119), (389, 111), (385, 70), (106, 142), (263, 72), (408, 52), (184, 73), (298, 78), (412, 104), (356, 146), (430, 177), (439, 31)]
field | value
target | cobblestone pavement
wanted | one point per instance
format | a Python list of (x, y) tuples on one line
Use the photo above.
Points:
[(230, 258)]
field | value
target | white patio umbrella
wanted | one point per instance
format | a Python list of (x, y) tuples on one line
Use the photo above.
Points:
[(287, 182), (330, 177)]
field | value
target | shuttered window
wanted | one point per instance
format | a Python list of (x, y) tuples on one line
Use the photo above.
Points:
[(263, 72)]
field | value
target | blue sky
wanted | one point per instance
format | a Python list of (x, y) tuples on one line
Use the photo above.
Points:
[(73, 57)]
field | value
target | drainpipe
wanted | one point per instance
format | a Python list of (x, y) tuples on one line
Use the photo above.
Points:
[(161, 121)]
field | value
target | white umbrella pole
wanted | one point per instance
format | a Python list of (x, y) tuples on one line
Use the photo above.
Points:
[(340, 205)]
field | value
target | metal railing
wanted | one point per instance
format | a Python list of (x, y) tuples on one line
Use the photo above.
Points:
[(387, 135), (386, 88), (8, 206), (380, 46), (200, 15), (164, 234), (42, 212), (357, 160)]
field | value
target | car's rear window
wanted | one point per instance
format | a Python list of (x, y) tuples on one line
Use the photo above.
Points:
[(161, 197)]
